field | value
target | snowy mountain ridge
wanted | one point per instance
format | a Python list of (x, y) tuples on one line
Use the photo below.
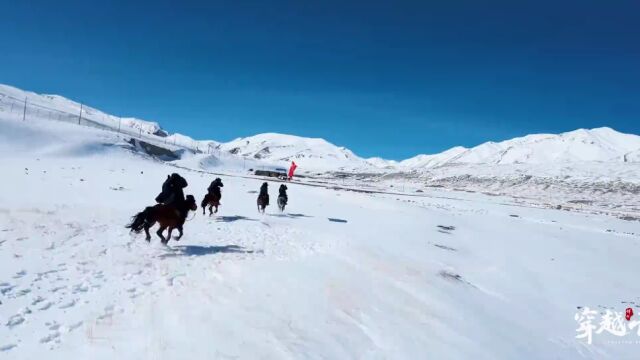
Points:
[(582, 145), (314, 152)]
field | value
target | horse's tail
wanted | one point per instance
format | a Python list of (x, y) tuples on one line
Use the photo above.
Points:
[(138, 221)]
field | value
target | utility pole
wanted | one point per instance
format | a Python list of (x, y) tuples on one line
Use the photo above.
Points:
[(24, 113), (119, 122), (80, 116)]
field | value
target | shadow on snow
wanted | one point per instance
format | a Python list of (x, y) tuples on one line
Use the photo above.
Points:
[(337, 220), (291, 216), (233, 218), (196, 250)]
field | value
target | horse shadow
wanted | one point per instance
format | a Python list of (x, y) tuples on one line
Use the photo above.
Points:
[(291, 216), (197, 250), (337, 220), (299, 216), (233, 218)]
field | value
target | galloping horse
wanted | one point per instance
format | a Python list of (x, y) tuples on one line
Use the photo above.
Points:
[(168, 216), (282, 197), (263, 202), (213, 196), (282, 202), (263, 198)]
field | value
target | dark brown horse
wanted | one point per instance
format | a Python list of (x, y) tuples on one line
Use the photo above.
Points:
[(211, 200), (263, 197), (168, 216), (213, 196), (263, 202)]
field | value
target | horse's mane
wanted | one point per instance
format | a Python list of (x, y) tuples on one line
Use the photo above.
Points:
[(184, 207)]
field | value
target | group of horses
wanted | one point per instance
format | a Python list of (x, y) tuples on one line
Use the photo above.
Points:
[(173, 216)]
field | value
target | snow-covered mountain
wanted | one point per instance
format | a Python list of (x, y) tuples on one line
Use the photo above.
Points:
[(54, 107), (422, 161), (382, 163), (595, 145), (148, 127), (313, 153), (599, 145)]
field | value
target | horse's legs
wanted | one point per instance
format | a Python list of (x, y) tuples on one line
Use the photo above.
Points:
[(169, 234), (146, 231), (215, 212), (210, 210), (159, 232), (180, 231)]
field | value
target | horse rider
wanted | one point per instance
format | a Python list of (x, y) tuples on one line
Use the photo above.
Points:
[(172, 190), (264, 193), (214, 188), (283, 193)]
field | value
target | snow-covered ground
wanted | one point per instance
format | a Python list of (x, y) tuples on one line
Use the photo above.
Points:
[(338, 275), (608, 187)]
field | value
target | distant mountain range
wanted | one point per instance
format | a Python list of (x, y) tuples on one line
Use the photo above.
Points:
[(595, 145), (601, 144)]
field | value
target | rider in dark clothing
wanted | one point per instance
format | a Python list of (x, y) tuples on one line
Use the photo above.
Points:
[(283, 193), (172, 192), (264, 192), (214, 188), (166, 189)]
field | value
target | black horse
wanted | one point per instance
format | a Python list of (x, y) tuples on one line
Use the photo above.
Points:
[(168, 216), (213, 196), (263, 198), (282, 197)]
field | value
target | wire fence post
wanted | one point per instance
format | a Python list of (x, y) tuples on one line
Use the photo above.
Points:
[(80, 115), (24, 113)]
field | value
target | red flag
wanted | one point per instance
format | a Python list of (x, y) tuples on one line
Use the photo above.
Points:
[(292, 169)]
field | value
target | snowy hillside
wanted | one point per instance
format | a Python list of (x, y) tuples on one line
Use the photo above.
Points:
[(51, 106), (382, 163), (601, 144), (427, 161), (18, 104), (148, 127), (308, 152), (338, 275), (312, 154), (268, 149)]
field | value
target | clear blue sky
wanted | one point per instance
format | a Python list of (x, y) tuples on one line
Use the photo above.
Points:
[(387, 78)]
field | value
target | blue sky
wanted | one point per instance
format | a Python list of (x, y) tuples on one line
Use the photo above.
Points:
[(392, 78)]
